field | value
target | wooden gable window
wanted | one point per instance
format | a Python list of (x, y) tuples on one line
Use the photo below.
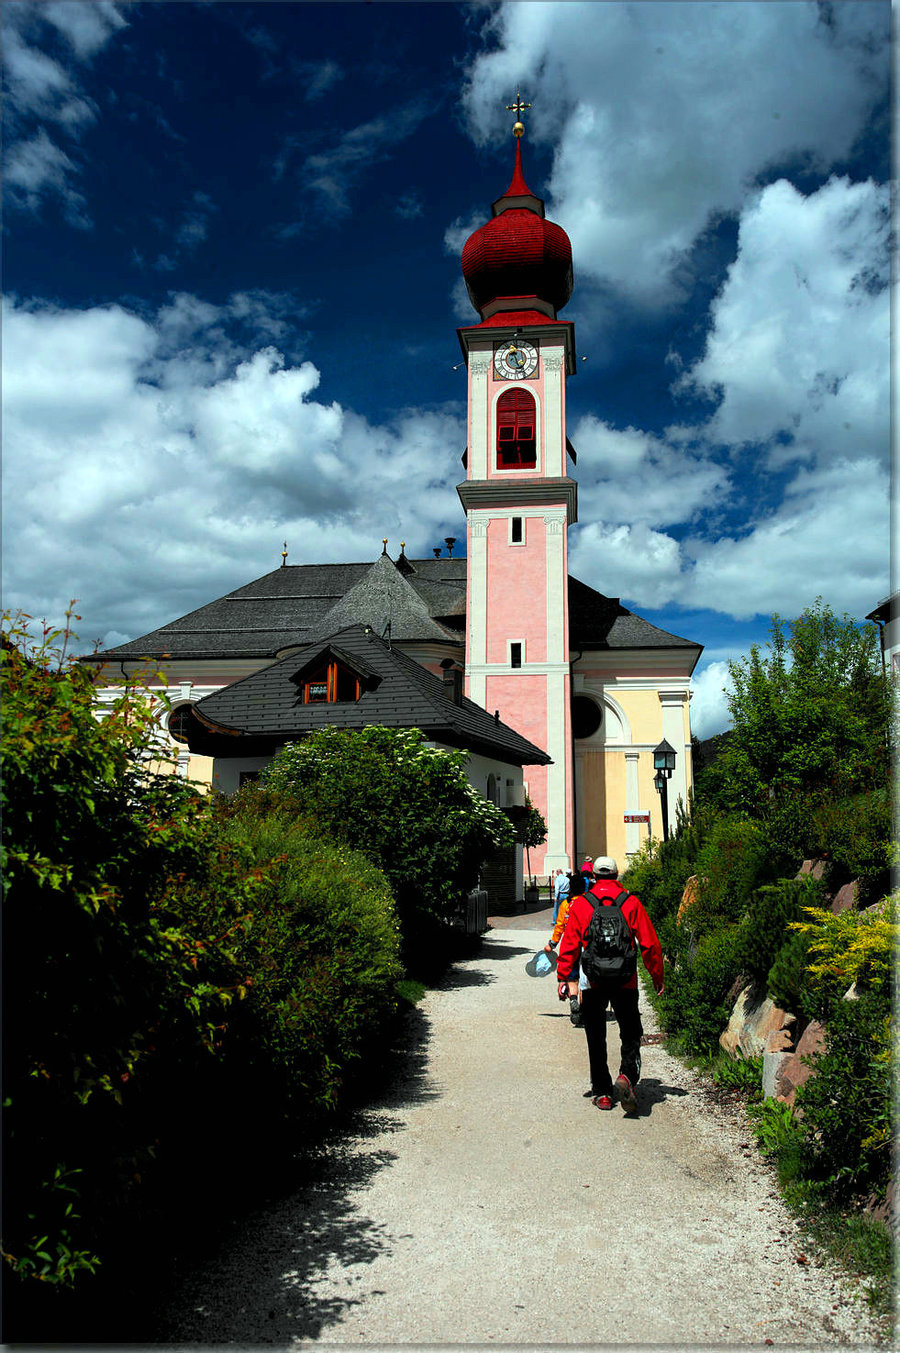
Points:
[(516, 446), (330, 684)]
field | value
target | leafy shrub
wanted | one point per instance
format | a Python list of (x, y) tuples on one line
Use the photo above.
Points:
[(779, 1135), (850, 947), (739, 1073), (105, 979), (407, 806), (657, 874), (855, 834), (734, 860), (847, 1105)]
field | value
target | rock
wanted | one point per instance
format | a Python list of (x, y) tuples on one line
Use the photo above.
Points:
[(814, 867), (753, 1018), (796, 1071), (688, 897), (773, 1067), (779, 1040), (845, 898), (882, 1209)]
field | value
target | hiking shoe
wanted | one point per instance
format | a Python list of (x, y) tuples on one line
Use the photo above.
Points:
[(627, 1097), (602, 1102)]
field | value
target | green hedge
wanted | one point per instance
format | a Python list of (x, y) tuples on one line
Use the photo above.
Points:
[(182, 979), (322, 949)]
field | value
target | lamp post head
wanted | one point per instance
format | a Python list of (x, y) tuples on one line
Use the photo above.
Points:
[(659, 781), (664, 758)]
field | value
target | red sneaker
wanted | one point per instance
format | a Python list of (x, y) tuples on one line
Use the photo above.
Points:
[(602, 1102), (625, 1091)]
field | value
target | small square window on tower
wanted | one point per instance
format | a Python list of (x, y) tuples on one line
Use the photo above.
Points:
[(516, 649), (516, 531)]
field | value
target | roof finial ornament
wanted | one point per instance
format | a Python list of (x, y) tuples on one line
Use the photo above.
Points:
[(384, 544), (518, 108), (284, 554)]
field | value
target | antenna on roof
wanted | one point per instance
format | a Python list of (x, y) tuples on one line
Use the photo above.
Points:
[(284, 553)]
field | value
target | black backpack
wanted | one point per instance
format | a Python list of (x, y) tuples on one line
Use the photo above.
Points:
[(610, 954)]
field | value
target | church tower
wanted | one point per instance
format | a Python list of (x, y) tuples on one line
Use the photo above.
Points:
[(518, 498)]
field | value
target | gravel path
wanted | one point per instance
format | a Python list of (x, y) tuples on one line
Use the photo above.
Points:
[(484, 1201)]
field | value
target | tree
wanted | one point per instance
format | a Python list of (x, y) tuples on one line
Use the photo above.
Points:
[(811, 719), (407, 806), (530, 828)]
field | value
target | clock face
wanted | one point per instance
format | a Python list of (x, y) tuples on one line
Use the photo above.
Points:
[(515, 361)]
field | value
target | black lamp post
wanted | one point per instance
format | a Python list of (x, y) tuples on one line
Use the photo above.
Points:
[(664, 764)]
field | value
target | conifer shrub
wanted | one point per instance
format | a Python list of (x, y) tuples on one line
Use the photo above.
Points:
[(694, 1006), (764, 929), (787, 978)]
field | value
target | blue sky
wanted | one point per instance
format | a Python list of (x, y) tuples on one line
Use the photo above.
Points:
[(231, 256)]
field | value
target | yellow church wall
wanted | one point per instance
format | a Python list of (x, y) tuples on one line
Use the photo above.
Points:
[(643, 700)]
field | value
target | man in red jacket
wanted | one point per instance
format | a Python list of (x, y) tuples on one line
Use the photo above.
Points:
[(622, 995)]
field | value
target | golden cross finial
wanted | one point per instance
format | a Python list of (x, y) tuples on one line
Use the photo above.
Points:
[(518, 108), (284, 554)]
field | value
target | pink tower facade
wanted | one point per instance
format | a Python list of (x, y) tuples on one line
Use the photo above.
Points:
[(518, 497)]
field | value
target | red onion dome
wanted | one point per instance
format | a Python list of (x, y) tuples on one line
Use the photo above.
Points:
[(518, 253)]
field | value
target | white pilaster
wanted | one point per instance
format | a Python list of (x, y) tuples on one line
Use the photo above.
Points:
[(673, 731), (479, 382), (632, 802)]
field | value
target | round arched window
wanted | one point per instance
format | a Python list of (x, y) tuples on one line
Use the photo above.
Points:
[(177, 723), (586, 717)]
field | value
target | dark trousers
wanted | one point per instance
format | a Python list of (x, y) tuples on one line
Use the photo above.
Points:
[(624, 1002)]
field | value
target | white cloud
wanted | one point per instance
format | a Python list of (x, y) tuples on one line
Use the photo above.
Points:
[(828, 538), (136, 457), (709, 704), (673, 485), (663, 115), (628, 561), (41, 89), (87, 24), (797, 358), (333, 173), (37, 167), (799, 344)]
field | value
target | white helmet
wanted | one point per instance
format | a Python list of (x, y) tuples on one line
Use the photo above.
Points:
[(605, 867)]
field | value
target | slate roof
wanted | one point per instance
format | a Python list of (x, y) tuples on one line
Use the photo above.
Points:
[(384, 596), (598, 622), (284, 608), (398, 693), (425, 600)]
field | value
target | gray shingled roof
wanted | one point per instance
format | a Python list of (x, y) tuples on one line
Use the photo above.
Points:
[(425, 599), (401, 694), (596, 621), (383, 596)]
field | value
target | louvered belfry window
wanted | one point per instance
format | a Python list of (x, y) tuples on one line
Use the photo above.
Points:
[(516, 448)]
